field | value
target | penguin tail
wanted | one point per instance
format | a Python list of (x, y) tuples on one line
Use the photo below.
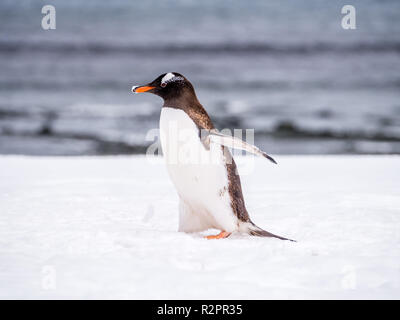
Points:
[(254, 230)]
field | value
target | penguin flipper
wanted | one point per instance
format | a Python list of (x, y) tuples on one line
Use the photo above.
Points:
[(232, 142)]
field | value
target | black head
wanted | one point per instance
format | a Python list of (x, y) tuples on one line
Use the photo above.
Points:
[(169, 85)]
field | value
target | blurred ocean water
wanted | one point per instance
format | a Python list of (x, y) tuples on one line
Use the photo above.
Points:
[(285, 68)]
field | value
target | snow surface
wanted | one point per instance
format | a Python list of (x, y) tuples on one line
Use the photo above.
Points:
[(106, 227)]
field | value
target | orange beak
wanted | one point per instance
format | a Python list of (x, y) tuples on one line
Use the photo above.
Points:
[(138, 89)]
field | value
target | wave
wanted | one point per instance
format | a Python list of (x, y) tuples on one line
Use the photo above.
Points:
[(13, 47), (222, 85), (288, 129), (120, 144)]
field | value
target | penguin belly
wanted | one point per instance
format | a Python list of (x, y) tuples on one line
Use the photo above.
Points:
[(199, 174)]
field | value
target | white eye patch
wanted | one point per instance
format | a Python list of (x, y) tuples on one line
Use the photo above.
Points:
[(170, 77)]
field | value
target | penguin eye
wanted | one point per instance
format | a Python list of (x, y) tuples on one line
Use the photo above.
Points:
[(163, 85)]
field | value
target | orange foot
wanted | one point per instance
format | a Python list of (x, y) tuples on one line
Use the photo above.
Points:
[(221, 235)]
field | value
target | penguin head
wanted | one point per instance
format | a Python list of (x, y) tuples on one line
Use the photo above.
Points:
[(168, 86)]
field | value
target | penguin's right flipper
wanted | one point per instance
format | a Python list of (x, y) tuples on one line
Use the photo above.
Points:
[(233, 142)]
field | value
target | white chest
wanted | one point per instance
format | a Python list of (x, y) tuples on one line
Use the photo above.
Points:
[(199, 175)]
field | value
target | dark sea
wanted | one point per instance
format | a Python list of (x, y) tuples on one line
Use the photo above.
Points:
[(284, 68)]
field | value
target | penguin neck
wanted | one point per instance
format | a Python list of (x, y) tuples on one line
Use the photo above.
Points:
[(183, 100), (187, 101)]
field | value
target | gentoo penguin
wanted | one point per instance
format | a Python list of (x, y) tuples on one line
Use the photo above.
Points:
[(199, 162)]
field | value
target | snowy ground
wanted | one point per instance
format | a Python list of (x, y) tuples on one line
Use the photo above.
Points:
[(106, 228)]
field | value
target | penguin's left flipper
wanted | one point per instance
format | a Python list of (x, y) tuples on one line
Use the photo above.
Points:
[(208, 136)]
